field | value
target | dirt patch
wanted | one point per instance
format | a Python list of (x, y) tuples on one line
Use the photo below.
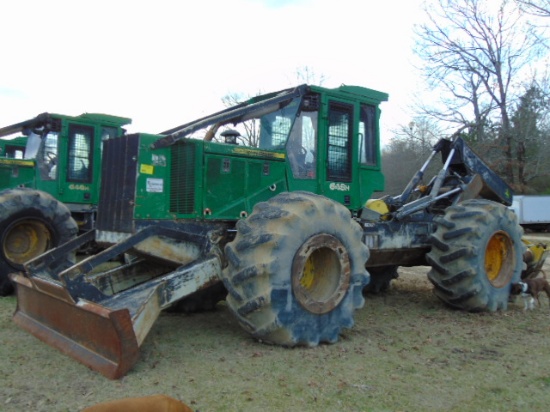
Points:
[(407, 351)]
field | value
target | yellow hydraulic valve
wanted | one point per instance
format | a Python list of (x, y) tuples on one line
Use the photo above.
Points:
[(378, 205), (375, 209)]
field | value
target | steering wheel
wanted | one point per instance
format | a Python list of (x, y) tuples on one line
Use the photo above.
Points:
[(52, 157)]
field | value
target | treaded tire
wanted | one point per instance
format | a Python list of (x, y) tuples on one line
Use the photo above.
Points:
[(296, 269), (31, 222), (476, 254)]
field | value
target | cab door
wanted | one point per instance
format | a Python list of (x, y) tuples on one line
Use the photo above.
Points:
[(302, 147), (340, 170), (370, 177), (77, 174)]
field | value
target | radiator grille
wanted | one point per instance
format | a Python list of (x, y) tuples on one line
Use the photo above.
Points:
[(182, 172)]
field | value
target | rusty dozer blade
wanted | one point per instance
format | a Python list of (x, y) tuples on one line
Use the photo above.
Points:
[(100, 338), (101, 318)]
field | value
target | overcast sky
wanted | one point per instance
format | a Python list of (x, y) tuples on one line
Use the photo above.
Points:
[(164, 63)]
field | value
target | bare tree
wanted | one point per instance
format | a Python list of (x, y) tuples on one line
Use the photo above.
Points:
[(476, 54), (407, 151), (306, 74), (539, 12), (250, 133), (530, 130), (539, 8)]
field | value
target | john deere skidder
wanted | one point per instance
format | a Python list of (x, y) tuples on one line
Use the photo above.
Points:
[(284, 228), (49, 183)]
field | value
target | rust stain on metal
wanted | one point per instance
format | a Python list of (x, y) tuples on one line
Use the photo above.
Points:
[(101, 339)]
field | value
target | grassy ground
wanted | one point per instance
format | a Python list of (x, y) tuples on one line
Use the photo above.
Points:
[(407, 352)]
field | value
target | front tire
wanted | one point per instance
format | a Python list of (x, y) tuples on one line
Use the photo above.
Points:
[(31, 222), (476, 254), (296, 269)]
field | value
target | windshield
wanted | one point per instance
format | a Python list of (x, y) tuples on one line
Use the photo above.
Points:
[(275, 127), (267, 127), (45, 154)]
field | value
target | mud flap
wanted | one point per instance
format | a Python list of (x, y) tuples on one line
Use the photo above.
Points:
[(100, 338)]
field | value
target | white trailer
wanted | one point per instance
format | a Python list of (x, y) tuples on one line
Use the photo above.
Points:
[(533, 212)]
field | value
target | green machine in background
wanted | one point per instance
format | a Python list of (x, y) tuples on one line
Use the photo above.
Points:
[(49, 156)]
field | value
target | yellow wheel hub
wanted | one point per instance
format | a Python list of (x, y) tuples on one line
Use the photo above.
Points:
[(308, 276), (499, 259), (25, 240), (321, 273)]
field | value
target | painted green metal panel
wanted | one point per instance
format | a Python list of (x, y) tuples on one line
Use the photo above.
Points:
[(237, 178), (153, 181), (190, 178), (54, 178), (196, 179), (15, 172), (11, 148)]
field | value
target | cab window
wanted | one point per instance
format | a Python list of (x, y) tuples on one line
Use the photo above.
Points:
[(47, 157), (275, 126), (302, 146), (367, 135), (80, 154), (339, 142)]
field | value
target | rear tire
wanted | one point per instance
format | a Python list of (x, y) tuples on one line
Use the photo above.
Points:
[(296, 270), (476, 254), (31, 222)]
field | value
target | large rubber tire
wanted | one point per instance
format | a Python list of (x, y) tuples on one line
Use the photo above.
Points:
[(31, 222), (476, 254), (296, 269)]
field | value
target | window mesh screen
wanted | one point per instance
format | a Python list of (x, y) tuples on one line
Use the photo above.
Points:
[(80, 143), (339, 143), (281, 128)]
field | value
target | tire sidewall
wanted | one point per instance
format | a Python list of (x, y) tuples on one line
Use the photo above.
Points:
[(26, 214), (263, 253), (304, 231), (283, 299), (459, 248), (28, 204), (500, 294)]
